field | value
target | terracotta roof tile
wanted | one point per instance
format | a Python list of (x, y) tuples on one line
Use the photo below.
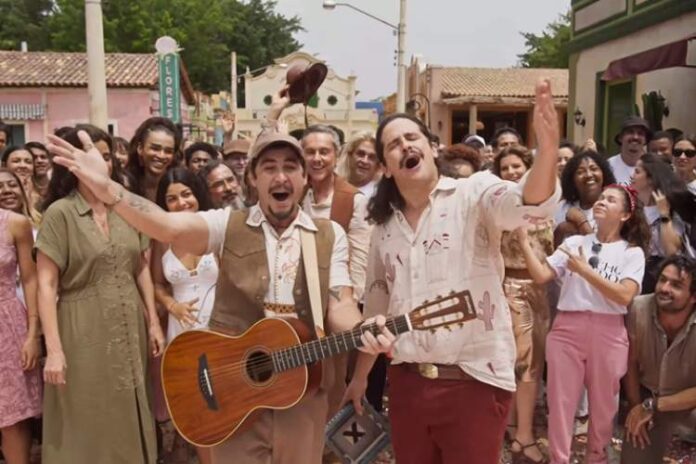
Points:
[(496, 82), (60, 69)]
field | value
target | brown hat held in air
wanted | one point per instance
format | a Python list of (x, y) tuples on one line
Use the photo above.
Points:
[(304, 81)]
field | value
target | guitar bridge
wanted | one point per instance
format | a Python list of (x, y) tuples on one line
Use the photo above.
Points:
[(205, 383)]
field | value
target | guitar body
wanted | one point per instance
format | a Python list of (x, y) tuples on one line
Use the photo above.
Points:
[(214, 382)]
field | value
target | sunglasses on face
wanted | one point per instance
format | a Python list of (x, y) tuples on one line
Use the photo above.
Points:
[(677, 152), (594, 259)]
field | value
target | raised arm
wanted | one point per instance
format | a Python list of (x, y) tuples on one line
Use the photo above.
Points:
[(541, 180), (187, 231)]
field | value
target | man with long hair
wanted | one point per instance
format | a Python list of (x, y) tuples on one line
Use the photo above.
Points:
[(450, 390)]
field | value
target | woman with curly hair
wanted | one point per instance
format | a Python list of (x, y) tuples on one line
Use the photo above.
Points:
[(600, 273), (583, 179), (153, 149)]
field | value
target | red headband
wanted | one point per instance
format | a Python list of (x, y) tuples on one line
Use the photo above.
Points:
[(630, 192)]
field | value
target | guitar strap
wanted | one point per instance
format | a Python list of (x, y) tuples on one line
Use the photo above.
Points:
[(309, 259)]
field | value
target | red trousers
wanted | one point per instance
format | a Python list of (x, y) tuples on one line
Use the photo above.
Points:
[(445, 421)]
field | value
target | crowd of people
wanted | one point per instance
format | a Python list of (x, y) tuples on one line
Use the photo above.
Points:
[(578, 263)]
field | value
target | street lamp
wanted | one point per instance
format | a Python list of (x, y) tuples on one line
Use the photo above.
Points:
[(400, 49)]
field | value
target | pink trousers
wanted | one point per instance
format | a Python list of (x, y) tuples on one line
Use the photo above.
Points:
[(590, 349)]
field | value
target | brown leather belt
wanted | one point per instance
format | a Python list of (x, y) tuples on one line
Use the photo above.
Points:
[(517, 273), (436, 371), (279, 308)]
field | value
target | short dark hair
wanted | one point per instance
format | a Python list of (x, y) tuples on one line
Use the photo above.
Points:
[(683, 264), (662, 135), (37, 145), (505, 130), (200, 146), (189, 179)]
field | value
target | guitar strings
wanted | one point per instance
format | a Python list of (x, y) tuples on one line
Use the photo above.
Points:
[(267, 361)]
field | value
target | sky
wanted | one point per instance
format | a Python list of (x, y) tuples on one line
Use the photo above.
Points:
[(474, 33)]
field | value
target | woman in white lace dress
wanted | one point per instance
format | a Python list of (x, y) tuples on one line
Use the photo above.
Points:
[(184, 284)]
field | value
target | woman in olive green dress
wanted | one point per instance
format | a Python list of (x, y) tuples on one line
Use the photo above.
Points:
[(96, 406)]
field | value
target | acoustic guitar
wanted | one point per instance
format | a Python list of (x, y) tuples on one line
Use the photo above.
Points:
[(214, 382)]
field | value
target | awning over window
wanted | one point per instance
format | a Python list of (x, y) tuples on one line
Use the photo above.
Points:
[(20, 112), (679, 53)]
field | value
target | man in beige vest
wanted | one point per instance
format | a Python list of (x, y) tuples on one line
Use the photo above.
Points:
[(261, 275), (661, 380), (330, 196)]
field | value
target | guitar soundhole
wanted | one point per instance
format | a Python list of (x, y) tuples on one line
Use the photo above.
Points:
[(259, 367)]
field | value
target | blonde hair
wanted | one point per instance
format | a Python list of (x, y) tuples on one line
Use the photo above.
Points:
[(342, 166)]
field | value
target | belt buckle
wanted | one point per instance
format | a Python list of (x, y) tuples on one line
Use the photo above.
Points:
[(428, 370)]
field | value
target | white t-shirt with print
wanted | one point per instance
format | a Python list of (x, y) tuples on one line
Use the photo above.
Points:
[(617, 261), (622, 171)]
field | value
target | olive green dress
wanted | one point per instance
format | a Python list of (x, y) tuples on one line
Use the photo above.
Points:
[(102, 414)]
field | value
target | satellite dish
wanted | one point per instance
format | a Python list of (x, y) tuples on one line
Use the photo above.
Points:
[(166, 44)]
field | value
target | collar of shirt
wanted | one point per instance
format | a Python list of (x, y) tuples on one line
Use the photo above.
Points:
[(443, 184), (324, 204), (81, 205), (257, 218), (684, 330)]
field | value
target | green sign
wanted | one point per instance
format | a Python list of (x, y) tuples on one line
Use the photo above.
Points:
[(169, 87)]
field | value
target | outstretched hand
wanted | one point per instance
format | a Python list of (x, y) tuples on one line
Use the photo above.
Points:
[(87, 164), (546, 125)]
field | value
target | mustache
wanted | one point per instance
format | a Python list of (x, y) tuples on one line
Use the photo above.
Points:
[(409, 154)]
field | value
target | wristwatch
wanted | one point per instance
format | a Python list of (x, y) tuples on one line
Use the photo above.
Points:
[(649, 404)]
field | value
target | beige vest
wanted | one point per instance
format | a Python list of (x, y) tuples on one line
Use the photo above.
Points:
[(243, 279)]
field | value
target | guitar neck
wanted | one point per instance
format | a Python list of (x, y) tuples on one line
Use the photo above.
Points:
[(333, 345)]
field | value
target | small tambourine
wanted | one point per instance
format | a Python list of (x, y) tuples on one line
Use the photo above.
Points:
[(357, 439)]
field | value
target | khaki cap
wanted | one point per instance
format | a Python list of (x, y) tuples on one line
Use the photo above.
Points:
[(267, 139), (236, 146)]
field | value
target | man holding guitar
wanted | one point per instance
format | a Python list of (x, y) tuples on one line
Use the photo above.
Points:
[(449, 392), (263, 273)]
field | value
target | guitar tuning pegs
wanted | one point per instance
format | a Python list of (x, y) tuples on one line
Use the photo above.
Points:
[(461, 324), (432, 331), (448, 327)]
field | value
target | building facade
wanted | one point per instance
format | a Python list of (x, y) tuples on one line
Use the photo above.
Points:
[(458, 101), (623, 50), (42, 91), (334, 103)]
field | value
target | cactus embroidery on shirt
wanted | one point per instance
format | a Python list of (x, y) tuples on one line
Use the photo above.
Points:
[(487, 308)]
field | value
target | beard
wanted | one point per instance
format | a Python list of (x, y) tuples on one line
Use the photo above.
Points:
[(283, 215)]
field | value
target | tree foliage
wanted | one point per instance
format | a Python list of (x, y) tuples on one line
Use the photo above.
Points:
[(207, 30), (549, 49)]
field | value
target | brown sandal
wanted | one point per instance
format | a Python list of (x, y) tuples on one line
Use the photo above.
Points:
[(519, 457)]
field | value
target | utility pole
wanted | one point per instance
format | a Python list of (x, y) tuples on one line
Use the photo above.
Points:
[(401, 51), (96, 72), (233, 90)]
